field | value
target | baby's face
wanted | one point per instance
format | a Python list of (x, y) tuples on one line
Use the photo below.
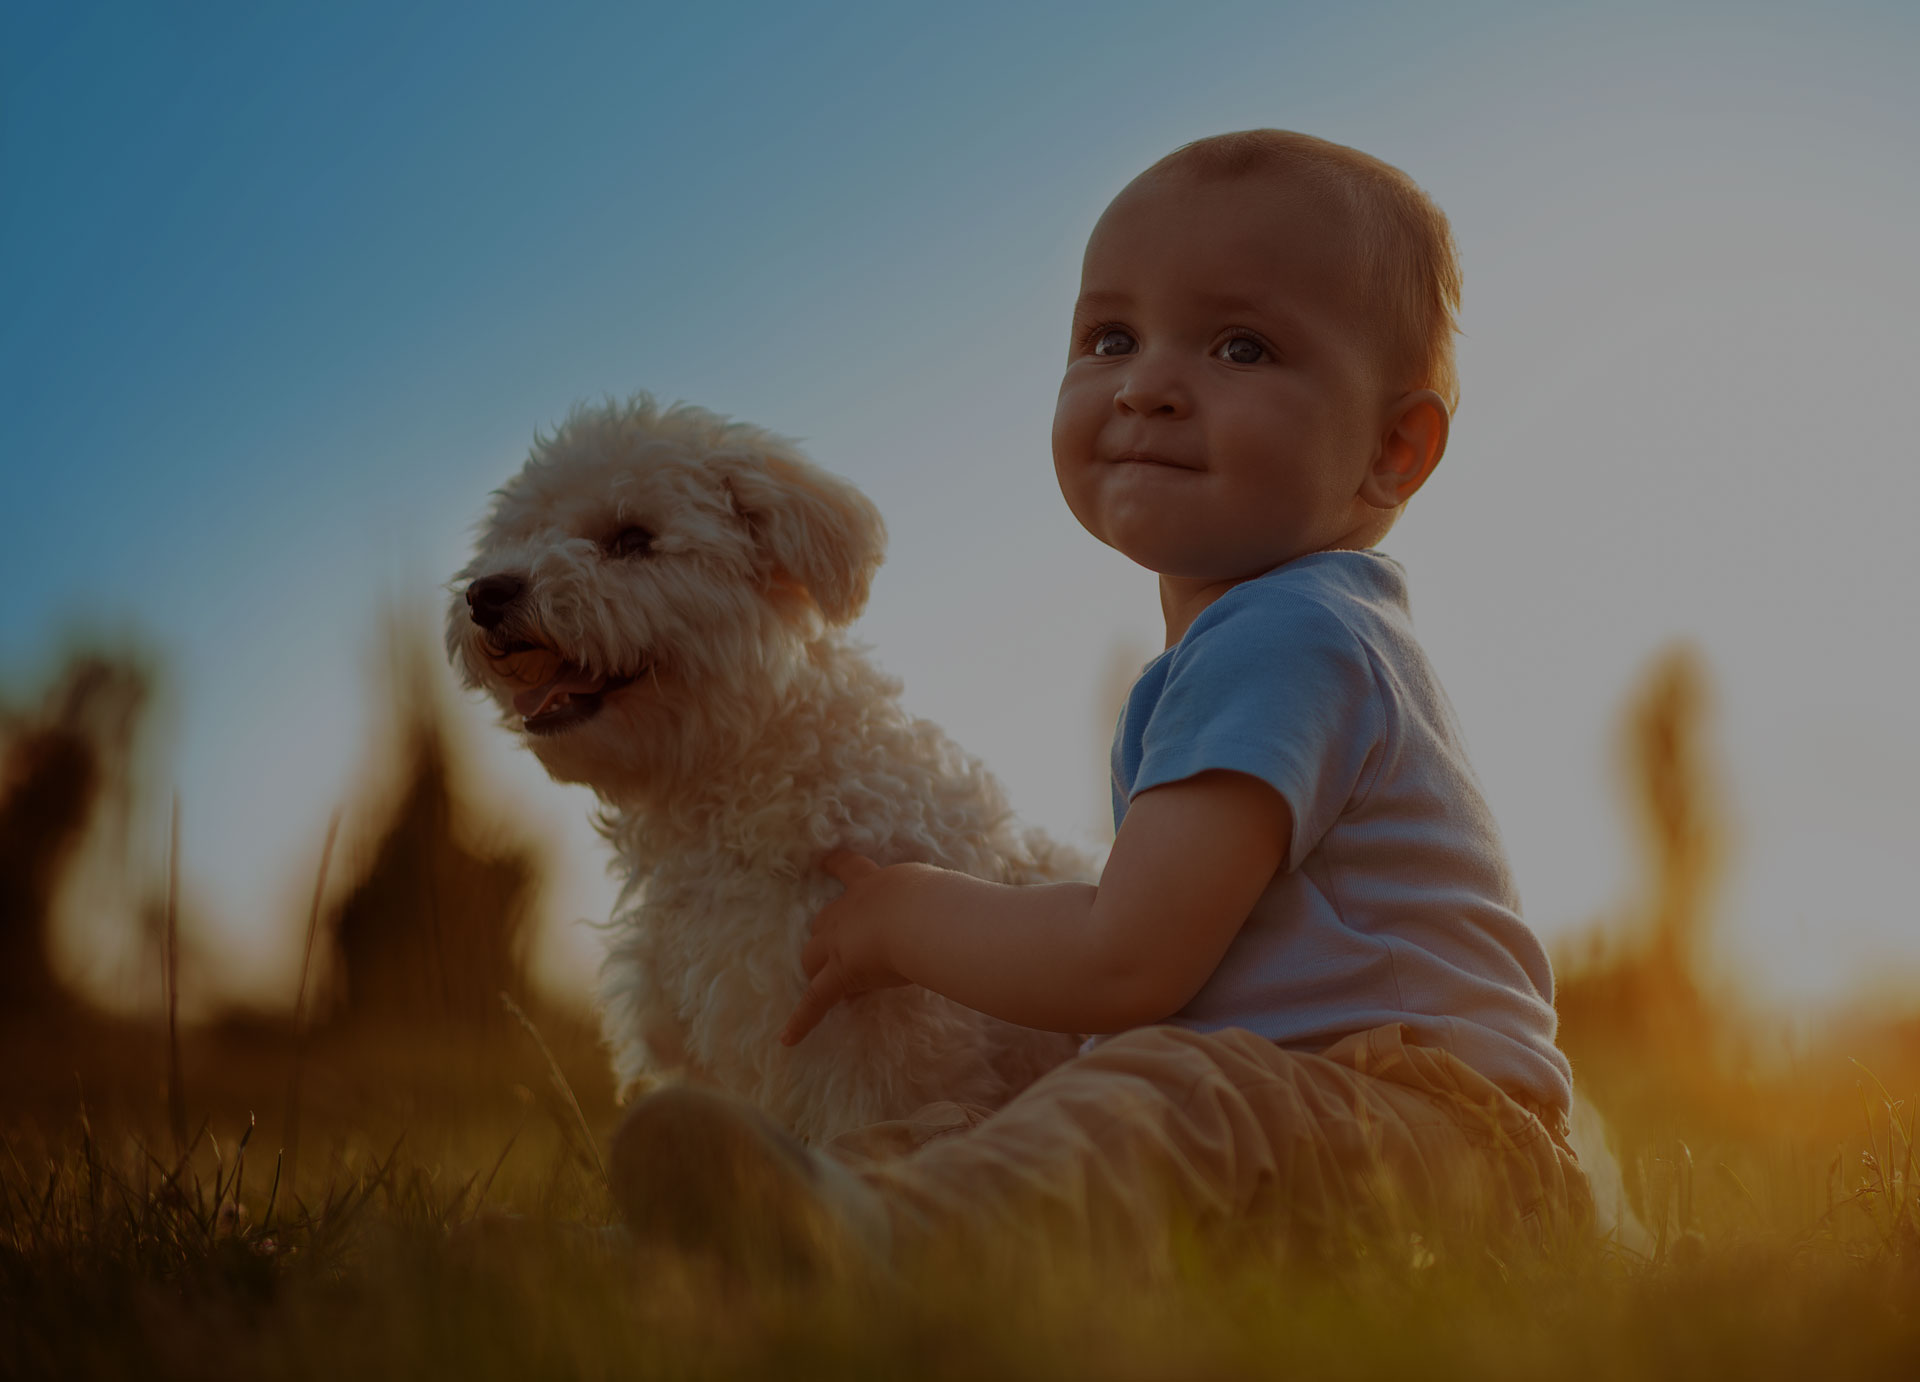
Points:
[(1223, 396)]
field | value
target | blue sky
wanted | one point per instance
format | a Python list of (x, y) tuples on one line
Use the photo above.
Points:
[(287, 289)]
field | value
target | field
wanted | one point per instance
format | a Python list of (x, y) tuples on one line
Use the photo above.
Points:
[(310, 1194), (1785, 1219)]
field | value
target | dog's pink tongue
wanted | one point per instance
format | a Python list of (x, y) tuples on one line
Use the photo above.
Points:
[(571, 681)]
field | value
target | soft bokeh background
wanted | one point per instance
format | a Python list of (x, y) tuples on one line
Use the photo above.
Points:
[(285, 291)]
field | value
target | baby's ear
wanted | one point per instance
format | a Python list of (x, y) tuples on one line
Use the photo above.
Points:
[(816, 530), (1411, 445)]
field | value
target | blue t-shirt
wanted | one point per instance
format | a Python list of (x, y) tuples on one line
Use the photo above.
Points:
[(1394, 902)]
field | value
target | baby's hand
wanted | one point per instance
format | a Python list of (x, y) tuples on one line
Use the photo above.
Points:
[(847, 952)]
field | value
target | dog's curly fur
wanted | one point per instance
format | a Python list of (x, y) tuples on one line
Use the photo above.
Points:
[(656, 603)]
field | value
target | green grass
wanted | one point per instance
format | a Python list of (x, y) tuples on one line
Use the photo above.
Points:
[(1786, 1244)]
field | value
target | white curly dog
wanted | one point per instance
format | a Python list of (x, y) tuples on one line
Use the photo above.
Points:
[(656, 603)]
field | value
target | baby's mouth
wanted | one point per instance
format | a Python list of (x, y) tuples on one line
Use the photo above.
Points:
[(552, 693), (1148, 458)]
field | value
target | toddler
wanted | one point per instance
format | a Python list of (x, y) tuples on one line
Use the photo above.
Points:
[(1319, 1012)]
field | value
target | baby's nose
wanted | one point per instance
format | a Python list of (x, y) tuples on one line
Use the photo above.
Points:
[(490, 597), (1149, 391)]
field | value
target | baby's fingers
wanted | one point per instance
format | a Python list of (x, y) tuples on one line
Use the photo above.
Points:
[(848, 867), (827, 988), (814, 956)]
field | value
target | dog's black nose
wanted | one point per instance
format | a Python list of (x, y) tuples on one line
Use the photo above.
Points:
[(491, 596)]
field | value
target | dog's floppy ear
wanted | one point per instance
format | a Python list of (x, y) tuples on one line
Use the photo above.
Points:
[(817, 530)]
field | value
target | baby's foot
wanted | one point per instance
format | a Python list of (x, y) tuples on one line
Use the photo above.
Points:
[(710, 1176)]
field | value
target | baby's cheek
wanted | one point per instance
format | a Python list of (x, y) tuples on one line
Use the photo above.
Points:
[(1077, 417)]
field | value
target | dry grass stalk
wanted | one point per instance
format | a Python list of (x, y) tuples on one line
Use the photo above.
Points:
[(290, 1155), (562, 1087), (170, 977)]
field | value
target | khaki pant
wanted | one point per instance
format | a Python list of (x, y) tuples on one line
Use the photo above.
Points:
[(1161, 1136)]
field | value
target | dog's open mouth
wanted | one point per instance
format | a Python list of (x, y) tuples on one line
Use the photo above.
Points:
[(551, 693)]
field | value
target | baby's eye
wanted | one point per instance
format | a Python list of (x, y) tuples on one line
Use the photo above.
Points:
[(1242, 350), (1113, 340)]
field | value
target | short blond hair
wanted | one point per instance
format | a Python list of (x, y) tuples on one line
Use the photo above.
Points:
[(1408, 261)]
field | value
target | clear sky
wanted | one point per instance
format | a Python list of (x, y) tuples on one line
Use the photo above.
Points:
[(285, 290)]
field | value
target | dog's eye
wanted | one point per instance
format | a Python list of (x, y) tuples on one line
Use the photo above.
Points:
[(630, 542)]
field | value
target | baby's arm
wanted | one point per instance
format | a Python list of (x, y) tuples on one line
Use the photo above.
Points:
[(1191, 859)]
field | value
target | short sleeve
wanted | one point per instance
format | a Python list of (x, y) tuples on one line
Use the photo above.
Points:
[(1277, 688)]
